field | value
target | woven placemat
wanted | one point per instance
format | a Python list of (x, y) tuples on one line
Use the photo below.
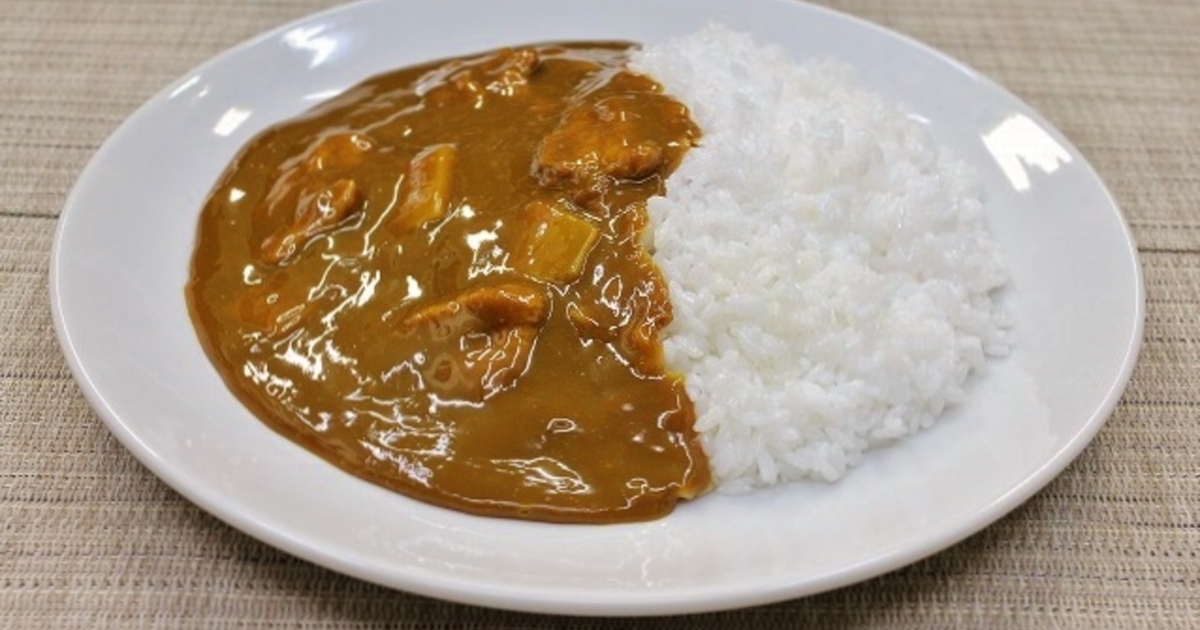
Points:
[(89, 538)]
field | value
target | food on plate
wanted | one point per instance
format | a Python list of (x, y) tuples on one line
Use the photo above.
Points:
[(437, 281), (580, 282), (831, 275)]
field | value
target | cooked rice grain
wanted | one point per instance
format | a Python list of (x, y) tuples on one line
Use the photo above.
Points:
[(829, 266)]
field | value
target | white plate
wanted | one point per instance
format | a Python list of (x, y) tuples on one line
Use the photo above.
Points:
[(121, 259)]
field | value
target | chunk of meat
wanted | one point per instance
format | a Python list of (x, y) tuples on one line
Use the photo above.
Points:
[(425, 191), (316, 195), (316, 214), (521, 61), (482, 308), (482, 340), (555, 244), (505, 73), (603, 138), (507, 304), (626, 314), (512, 71)]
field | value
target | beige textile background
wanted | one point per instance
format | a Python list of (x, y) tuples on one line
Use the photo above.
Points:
[(89, 538)]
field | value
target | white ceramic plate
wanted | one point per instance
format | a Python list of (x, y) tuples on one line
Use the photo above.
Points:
[(121, 259)]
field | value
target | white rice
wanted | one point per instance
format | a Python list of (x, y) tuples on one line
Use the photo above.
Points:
[(829, 266)]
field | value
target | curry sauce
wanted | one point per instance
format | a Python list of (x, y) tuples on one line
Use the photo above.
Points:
[(437, 282)]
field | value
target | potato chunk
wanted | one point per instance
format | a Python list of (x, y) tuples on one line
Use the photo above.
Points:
[(555, 243), (425, 192), (340, 151)]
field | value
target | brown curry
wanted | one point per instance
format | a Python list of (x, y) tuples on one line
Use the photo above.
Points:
[(437, 282)]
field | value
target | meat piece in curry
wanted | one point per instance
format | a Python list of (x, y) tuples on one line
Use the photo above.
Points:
[(436, 281)]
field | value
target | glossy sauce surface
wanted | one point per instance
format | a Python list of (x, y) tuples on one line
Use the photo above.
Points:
[(436, 281)]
